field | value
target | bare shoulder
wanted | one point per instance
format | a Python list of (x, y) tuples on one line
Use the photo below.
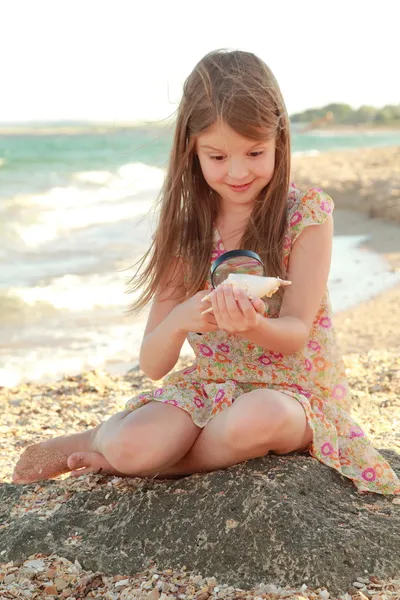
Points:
[(308, 270), (169, 294)]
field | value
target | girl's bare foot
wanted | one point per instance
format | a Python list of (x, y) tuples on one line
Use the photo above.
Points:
[(82, 463), (49, 459)]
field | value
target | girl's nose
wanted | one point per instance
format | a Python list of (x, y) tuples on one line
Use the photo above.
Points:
[(238, 169)]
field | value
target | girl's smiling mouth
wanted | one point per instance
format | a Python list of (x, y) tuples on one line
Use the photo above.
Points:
[(240, 188)]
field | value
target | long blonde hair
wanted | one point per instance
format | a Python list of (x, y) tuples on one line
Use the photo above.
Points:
[(238, 88)]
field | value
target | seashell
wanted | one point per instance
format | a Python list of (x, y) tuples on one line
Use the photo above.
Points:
[(253, 285)]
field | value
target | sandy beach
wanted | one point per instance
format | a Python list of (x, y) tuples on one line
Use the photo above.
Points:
[(365, 185)]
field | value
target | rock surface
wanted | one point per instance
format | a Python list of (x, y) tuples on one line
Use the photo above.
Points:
[(286, 520)]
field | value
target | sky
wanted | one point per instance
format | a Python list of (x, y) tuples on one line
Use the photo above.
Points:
[(119, 60)]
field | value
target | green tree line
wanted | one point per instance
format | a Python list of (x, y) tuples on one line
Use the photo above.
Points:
[(347, 115)]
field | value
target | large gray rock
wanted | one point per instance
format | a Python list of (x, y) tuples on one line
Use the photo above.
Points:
[(283, 520)]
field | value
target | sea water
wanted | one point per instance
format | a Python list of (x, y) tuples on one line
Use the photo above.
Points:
[(74, 219)]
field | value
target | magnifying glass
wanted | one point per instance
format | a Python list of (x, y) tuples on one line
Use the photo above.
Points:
[(236, 261)]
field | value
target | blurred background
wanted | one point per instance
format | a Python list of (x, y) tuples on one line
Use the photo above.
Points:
[(88, 96)]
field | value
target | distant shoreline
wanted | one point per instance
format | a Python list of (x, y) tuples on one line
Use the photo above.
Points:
[(77, 129), (108, 127)]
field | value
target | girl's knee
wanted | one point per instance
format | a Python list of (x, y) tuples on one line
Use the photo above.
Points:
[(142, 446), (123, 449), (255, 419)]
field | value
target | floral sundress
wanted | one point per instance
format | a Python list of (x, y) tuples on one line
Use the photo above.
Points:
[(228, 366)]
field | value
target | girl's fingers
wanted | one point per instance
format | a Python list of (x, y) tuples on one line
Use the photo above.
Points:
[(230, 307), (219, 307), (231, 304), (246, 306), (259, 305)]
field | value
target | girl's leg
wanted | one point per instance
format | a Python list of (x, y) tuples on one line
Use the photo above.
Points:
[(48, 459), (259, 422), (145, 441), (136, 443)]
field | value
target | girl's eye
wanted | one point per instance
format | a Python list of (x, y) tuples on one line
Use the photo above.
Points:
[(252, 155)]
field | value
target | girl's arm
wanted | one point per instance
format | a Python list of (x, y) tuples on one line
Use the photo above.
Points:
[(163, 339), (308, 271)]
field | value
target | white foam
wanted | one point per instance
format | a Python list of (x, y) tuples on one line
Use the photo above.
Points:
[(311, 152), (127, 194), (77, 293), (357, 274), (96, 177)]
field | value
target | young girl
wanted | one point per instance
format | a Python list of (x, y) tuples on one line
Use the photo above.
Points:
[(267, 377)]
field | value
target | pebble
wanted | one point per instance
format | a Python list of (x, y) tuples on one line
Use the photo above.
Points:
[(121, 582), (51, 590), (60, 583)]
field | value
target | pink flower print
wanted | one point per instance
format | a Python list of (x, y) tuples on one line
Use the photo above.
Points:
[(198, 402), (297, 387), (369, 474), (205, 350), (356, 431), (223, 347), (219, 396), (326, 207), (265, 360), (287, 242), (317, 189), (203, 389), (218, 250), (339, 392), (189, 370), (325, 322), (314, 346), (292, 193), (276, 355), (159, 392), (327, 449), (308, 365), (296, 218), (171, 401)]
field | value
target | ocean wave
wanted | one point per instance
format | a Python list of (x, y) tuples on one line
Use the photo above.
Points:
[(78, 293), (312, 152), (128, 193)]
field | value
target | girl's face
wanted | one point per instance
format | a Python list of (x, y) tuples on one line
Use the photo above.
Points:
[(236, 167)]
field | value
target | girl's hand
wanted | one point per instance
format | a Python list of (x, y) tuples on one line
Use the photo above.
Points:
[(233, 310), (189, 318)]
